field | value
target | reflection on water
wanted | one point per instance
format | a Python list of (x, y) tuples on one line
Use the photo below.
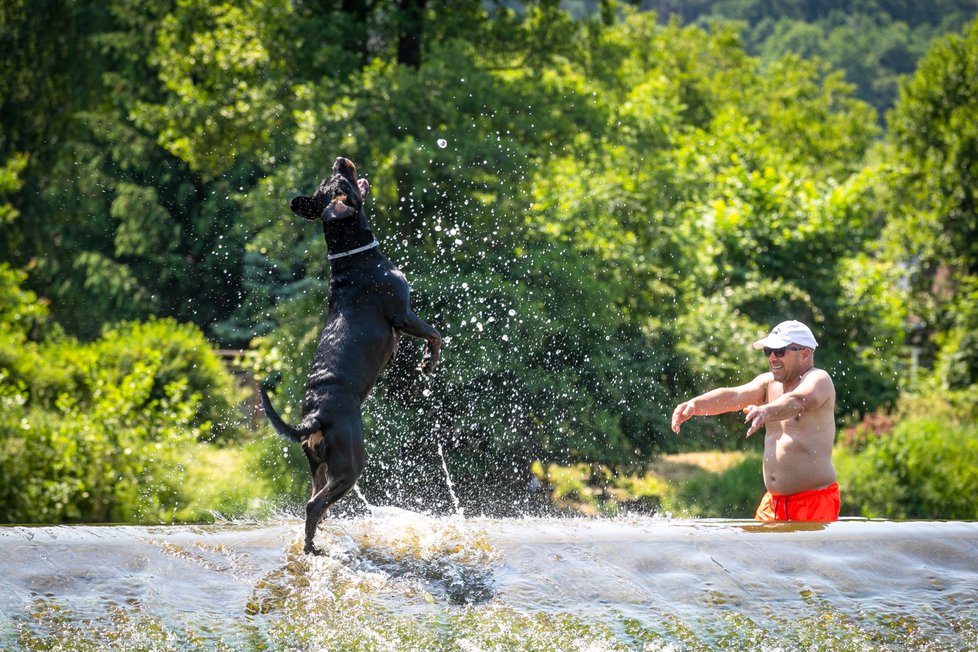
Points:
[(403, 581)]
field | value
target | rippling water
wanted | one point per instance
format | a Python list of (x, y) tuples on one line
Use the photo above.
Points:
[(403, 581)]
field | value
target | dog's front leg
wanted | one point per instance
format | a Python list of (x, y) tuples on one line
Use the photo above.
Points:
[(416, 327)]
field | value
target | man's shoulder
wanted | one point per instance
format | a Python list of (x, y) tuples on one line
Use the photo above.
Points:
[(762, 380), (818, 375), (820, 385)]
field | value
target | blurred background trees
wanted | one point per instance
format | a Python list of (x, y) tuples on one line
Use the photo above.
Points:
[(599, 206)]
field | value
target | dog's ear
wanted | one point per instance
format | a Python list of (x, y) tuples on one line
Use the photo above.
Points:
[(304, 207), (338, 209)]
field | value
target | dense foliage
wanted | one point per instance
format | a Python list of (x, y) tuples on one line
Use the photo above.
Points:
[(112, 430), (599, 213), (921, 463)]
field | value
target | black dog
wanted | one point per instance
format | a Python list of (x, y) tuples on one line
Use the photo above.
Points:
[(368, 307)]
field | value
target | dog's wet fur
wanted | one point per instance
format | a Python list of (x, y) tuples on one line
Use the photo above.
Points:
[(369, 306)]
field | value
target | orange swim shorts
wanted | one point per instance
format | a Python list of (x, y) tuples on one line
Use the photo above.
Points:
[(817, 505)]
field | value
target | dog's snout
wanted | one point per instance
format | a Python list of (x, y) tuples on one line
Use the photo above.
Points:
[(344, 166)]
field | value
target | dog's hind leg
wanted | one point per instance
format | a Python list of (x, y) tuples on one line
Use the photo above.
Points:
[(337, 462), (318, 505), (316, 452)]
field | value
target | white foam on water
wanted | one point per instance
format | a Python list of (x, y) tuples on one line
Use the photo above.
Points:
[(404, 580)]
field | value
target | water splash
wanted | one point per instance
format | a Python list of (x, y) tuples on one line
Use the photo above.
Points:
[(399, 580), (448, 481)]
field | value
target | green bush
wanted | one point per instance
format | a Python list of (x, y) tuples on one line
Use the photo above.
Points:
[(927, 468), (113, 430), (185, 356), (865, 488), (109, 458)]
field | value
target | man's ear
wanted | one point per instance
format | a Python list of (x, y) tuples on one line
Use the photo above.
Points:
[(304, 207)]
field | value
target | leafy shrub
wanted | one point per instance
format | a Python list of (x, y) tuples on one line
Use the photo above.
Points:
[(873, 425), (865, 489), (109, 431), (927, 468), (111, 458), (185, 356)]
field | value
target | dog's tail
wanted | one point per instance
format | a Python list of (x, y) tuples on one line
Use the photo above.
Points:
[(292, 433)]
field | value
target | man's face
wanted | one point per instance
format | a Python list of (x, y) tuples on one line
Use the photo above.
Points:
[(785, 362)]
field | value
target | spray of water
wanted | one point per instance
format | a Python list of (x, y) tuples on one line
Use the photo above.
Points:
[(448, 481)]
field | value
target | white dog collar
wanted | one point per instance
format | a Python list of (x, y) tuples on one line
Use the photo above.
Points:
[(358, 250)]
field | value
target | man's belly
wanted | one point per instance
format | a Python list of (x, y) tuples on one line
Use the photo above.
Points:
[(791, 466)]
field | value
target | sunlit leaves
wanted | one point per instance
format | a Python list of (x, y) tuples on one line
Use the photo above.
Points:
[(9, 184), (222, 66), (20, 309)]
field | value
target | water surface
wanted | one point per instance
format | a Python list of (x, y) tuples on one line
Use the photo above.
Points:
[(399, 580)]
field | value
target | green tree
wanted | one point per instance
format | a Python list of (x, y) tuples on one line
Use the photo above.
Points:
[(717, 216), (934, 229), (114, 227)]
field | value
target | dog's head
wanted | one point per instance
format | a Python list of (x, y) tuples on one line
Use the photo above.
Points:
[(338, 196)]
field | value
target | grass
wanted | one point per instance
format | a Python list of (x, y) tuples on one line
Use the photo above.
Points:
[(680, 483), (222, 484)]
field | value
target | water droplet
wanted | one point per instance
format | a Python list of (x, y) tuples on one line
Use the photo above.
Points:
[(442, 143)]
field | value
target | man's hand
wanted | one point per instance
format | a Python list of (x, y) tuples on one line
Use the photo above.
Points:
[(682, 414), (755, 417)]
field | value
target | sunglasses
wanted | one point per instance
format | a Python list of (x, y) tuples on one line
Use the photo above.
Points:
[(779, 353)]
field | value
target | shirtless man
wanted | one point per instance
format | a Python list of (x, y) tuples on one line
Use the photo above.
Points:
[(795, 402)]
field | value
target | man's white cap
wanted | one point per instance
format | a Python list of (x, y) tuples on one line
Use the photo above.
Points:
[(788, 332)]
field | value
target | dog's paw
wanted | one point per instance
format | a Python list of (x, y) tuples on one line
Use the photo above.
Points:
[(428, 364), (432, 355)]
